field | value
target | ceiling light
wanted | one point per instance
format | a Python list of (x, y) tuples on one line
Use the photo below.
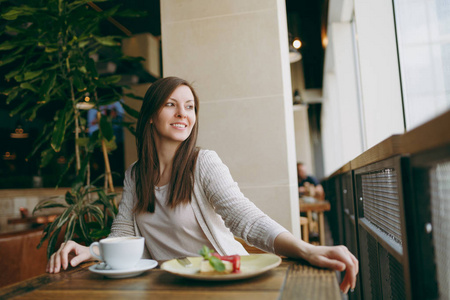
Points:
[(297, 43), (294, 55)]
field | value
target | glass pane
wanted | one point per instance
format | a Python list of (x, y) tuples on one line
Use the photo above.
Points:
[(423, 32)]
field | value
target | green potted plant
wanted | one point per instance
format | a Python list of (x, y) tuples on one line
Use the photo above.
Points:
[(48, 49)]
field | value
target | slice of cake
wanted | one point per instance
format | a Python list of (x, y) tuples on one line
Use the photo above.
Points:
[(214, 263), (206, 267)]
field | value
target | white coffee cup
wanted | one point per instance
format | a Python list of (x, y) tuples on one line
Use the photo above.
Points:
[(119, 253)]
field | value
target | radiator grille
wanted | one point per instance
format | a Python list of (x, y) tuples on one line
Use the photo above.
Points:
[(393, 285), (440, 203), (350, 242), (381, 203), (397, 281), (369, 266)]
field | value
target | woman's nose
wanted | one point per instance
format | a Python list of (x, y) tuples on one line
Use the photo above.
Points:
[(181, 113)]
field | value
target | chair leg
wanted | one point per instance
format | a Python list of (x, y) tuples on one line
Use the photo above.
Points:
[(305, 229)]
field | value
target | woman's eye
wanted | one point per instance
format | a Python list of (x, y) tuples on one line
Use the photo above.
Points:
[(169, 104), (190, 107)]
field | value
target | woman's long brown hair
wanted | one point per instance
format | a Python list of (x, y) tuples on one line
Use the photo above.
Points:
[(146, 169)]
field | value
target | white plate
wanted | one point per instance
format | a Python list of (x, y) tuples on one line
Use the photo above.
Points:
[(142, 266), (251, 265)]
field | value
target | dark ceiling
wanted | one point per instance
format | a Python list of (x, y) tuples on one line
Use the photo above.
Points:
[(306, 20)]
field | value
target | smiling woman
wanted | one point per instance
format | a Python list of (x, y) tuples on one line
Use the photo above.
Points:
[(180, 197)]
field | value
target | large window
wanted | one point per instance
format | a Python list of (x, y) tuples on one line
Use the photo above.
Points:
[(423, 34)]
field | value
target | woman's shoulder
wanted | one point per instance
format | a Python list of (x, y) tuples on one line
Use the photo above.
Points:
[(128, 171), (206, 156), (210, 164)]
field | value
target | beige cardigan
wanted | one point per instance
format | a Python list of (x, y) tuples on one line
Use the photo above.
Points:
[(219, 206)]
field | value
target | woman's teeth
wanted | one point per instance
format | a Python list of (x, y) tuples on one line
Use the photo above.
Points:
[(179, 125)]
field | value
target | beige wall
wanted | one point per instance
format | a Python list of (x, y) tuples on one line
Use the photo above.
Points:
[(302, 137), (236, 55), (129, 139)]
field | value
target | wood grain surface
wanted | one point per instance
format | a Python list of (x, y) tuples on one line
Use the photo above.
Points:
[(290, 280)]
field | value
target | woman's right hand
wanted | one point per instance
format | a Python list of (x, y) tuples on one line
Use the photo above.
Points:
[(72, 251)]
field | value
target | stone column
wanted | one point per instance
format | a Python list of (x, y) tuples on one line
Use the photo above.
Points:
[(235, 53)]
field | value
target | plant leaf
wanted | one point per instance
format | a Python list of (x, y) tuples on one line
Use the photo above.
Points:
[(12, 74), (12, 95), (107, 41), (46, 157), (70, 228), (131, 111), (84, 230), (8, 60), (40, 140), (47, 204), (31, 75), (52, 242), (28, 86), (106, 128), (46, 233), (65, 216), (130, 126), (98, 234), (8, 45), (66, 169), (97, 213), (48, 84), (133, 96), (19, 107), (59, 130), (70, 199), (82, 141), (105, 201)]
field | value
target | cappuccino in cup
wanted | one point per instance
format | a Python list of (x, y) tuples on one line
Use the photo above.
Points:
[(120, 252)]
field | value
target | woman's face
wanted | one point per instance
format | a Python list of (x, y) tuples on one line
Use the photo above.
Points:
[(176, 118)]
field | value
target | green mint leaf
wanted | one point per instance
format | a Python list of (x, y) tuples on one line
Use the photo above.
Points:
[(205, 252), (217, 264)]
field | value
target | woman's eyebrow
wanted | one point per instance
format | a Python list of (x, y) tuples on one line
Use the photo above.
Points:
[(177, 100)]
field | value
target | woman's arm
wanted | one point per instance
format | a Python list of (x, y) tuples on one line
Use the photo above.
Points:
[(240, 215), (338, 258), (123, 224), (248, 222)]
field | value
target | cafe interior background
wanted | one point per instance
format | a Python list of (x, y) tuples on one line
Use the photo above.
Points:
[(365, 71)]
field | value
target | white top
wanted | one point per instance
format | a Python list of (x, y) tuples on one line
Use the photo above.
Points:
[(171, 232), (220, 208)]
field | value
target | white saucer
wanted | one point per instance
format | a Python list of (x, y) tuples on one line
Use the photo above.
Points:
[(142, 266)]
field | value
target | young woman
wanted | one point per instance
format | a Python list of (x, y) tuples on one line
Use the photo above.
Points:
[(180, 197)]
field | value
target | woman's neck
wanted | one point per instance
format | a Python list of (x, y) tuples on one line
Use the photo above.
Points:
[(166, 153)]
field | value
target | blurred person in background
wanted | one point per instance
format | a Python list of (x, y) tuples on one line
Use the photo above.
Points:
[(308, 185)]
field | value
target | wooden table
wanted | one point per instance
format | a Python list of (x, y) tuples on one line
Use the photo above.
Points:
[(318, 206), (290, 280)]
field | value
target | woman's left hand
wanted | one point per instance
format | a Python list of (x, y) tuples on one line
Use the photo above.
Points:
[(338, 258)]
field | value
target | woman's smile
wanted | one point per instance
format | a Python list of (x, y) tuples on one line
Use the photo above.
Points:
[(179, 125)]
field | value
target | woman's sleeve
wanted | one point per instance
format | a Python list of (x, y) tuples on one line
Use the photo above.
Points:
[(123, 224), (240, 215)]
